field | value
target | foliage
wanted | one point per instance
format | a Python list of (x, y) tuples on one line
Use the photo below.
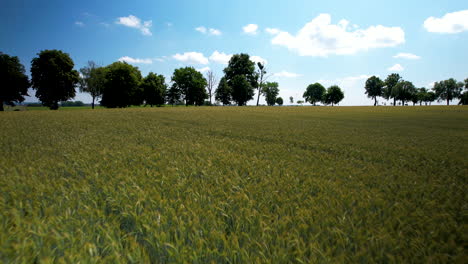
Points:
[(374, 88), (154, 89), (234, 185), (261, 78), (448, 89), (390, 83), (403, 91), (291, 100), (242, 88), (14, 82), (279, 101), (314, 93), (92, 81), (271, 91), (190, 84), (122, 86), (72, 104), (53, 77), (333, 96), (223, 92)]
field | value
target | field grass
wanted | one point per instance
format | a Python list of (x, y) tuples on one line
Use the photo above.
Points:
[(235, 185)]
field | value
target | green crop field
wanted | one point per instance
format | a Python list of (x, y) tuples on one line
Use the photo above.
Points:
[(235, 185)]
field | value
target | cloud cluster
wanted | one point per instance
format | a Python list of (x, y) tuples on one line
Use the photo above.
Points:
[(450, 23), (408, 56), (396, 68), (191, 58), (209, 31), (220, 57), (250, 29), (321, 38), (285, 74), (135, 60), (135, 22)]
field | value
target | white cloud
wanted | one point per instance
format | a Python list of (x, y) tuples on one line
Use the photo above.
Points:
[(135, 22), (204, 69), (450, 23), (397, 67), (258, 59), (408, 56), (210, 31), (321, 38), (220, 57), (272, 31), (215, 32), (285, 74), (191, 58), (79, 23), (201, 29), (250, 29), (135, 60)]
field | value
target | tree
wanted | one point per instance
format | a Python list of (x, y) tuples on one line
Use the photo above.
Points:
[(403, 91), (314, 93), (447, 90), (242, 88), (14, 82), (431, 97), (154, 89), (391, 81), (464, 96), (223, 93), (334, 95), (291, 99), (173, 96), (122, 86), (191, 85), (271, 91), (53, 77), (421, 95), (374, 88), (211, 83), (279, 101), (92, 80), (300, 102), (261, 77)]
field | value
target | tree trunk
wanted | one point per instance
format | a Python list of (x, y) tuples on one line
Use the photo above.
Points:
[(448, 103), (210, 98), (258, 97), (92, 104), (394, 101), (420, 103), (1, 106), (375, 103)]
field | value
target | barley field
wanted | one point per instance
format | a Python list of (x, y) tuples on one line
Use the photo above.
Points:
[(235, 185)]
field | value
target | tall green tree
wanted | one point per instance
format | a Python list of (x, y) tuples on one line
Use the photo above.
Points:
[(14, 83), (122, 86), (448, 89), (403, 91), (374, 88), (191, 85), (334, 95), (314, 93), (223, 92), (391, 81), (464, 96), (261, 78), (431, 97), (279, 101), (421, 95), (271, 91), (92, 80), (154, 89), (53, 77), (173, 96), (241, 77)]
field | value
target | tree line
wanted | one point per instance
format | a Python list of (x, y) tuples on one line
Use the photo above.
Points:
[(394, 87), (120, 84)]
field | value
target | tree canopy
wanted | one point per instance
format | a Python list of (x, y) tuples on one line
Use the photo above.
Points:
[(403, 91), (92, 80), (14, 83), (314, 93), (448, 89), (271, 91), (374, 88), (191, 85), (391, 81), (53, 77), (279, 101), (154, 89), (334, 95), (223, 92), (122, 86), (241, 77)]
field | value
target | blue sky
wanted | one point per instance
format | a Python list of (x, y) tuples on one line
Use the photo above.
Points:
[(333, 42)]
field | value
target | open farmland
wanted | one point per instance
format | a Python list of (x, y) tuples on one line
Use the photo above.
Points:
[(235, 185)]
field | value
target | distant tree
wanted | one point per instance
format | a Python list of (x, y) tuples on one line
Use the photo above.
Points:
[(242, 88), (431, 97), (14, 83), (154, 89), (374, 88), (72, 104), (122, 86), (291, 100), (223, 93), (211, 83), (261, 78), (92, 80), (421, 95), (191, 85), (447, 90), (314, 93), (271, 91), (391, 81), (464, 96), (300, 102), (173, 96), (403, 91), (279, 101), (53, 77), (333, 96)]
